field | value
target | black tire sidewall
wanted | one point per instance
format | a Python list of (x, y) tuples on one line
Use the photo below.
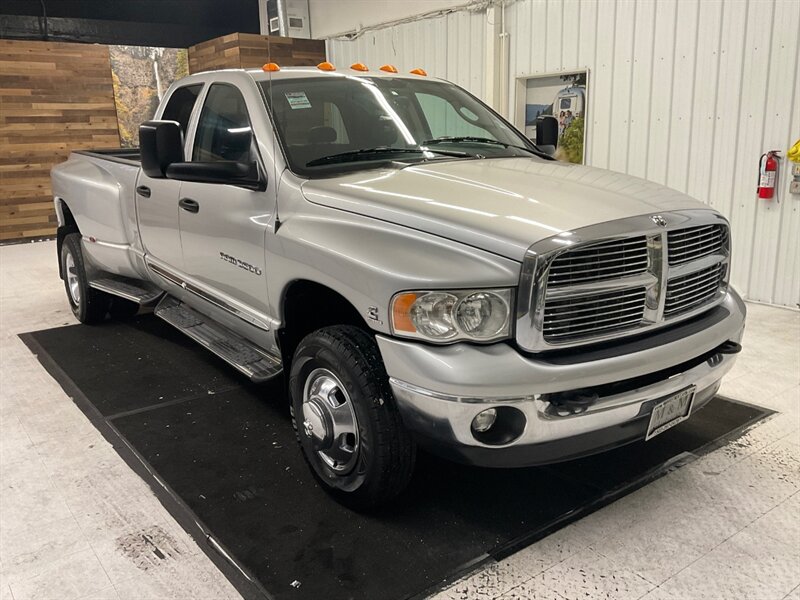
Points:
[(93, 305), (68, 247), (319, 351)]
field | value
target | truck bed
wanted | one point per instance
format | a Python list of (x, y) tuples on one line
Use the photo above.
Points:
[(122, 155), (97, 187)]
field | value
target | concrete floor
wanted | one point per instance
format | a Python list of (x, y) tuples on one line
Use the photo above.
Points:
[(72, 513)]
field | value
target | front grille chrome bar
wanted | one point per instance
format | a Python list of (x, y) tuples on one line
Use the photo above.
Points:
[(621, 278)]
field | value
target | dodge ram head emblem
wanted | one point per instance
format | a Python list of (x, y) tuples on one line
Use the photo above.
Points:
[(659, 220)]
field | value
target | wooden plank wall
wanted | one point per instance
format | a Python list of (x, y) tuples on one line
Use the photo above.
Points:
[(219, 53), (249, 50), (54, 97), (289, 52)]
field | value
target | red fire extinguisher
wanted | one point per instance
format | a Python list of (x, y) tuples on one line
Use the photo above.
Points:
[(768, 174)]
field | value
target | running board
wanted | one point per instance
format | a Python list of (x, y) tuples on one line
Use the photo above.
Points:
[(242, 354), (130, 289)]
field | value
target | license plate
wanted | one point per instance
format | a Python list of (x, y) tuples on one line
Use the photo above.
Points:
[(670, 412)]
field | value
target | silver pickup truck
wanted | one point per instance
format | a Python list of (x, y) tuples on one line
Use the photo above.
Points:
[(423, 273)]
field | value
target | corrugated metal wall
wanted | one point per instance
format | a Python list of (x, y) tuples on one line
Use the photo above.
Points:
[(450, 47), (688, 93)]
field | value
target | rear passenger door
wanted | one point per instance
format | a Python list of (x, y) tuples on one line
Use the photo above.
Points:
[(157, 199)]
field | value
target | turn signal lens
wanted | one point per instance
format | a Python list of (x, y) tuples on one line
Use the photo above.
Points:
[(359, 67), (389, 68), (401, 312), (326, 66), (419, 72), (270, 67)]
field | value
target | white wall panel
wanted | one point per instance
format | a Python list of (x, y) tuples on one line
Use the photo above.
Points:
[(682, 118), (729, 97), (775, 220), (688, 93), (333, 17), (622, 77), (641, 89), (706, 94), (451, 47), (661, 99), (599, 113)]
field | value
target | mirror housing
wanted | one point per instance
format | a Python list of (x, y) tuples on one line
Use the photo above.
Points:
[(222, 171), (547, 133), (160, 145)]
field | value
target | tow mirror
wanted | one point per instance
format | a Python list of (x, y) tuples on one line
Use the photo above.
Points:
[(547, 133), (221, 171), (160, 145)]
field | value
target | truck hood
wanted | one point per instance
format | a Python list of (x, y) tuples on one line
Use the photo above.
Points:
[(502, 205)]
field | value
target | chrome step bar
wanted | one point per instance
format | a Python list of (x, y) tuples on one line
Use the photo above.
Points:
[(130, 289), (240, 353)]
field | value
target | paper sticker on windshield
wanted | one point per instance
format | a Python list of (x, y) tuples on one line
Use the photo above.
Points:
[(297, 100)]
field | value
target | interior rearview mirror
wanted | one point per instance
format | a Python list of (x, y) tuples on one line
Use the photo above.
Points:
[(160, 145), (547, 133)]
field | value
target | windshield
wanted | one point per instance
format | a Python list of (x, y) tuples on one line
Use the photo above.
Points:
[(329, 124)]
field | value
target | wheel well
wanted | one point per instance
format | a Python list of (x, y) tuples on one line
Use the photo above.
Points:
[(308, 306), (69, 226)]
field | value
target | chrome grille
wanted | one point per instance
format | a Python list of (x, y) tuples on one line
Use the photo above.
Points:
[(692, 290), (621, 277), (596, 262), (686, 245), (573, 318)]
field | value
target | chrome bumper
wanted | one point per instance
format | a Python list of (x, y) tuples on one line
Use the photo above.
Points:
[(440, 390)]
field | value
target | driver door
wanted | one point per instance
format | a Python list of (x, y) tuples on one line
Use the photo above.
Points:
[(223, 226)]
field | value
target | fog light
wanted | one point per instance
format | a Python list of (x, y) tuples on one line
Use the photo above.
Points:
[(483, 421)]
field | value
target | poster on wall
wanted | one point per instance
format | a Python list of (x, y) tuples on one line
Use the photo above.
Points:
[(564, 97), (141, 75)]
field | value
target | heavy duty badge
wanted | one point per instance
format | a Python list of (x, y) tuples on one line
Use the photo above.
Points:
[(240, 263)]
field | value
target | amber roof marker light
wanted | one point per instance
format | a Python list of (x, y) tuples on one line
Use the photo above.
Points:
[(271, 67), (326, 66), (389, 68), (420, 72), (359, 67)]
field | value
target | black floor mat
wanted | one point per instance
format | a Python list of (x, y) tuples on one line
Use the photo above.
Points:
[(234, 474)]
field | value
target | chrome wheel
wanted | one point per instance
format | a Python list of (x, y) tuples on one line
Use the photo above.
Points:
[(329, 420), (73, 284)]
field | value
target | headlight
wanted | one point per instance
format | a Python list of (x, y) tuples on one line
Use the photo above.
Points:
[(446, 316)]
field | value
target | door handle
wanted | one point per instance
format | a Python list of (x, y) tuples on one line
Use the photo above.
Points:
[(143, 191), (189, 205)]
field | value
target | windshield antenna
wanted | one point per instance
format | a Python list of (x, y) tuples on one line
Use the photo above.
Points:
[(274, 139)]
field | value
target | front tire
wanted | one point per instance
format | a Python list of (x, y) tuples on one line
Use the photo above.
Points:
[(346, 419), (88, 305)]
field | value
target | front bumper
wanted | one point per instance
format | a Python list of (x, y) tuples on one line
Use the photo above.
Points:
[(440, 389)]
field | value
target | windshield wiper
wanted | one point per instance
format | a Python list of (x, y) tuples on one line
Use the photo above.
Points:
[(380, 150), (481, 140)]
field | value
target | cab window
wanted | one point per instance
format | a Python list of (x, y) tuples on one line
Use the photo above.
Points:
[(181, 104), (223, 131)]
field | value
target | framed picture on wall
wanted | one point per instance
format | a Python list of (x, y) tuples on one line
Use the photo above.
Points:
[(141, 75), (564, 96)]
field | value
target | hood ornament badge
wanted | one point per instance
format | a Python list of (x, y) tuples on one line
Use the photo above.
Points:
[(659, 220)]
